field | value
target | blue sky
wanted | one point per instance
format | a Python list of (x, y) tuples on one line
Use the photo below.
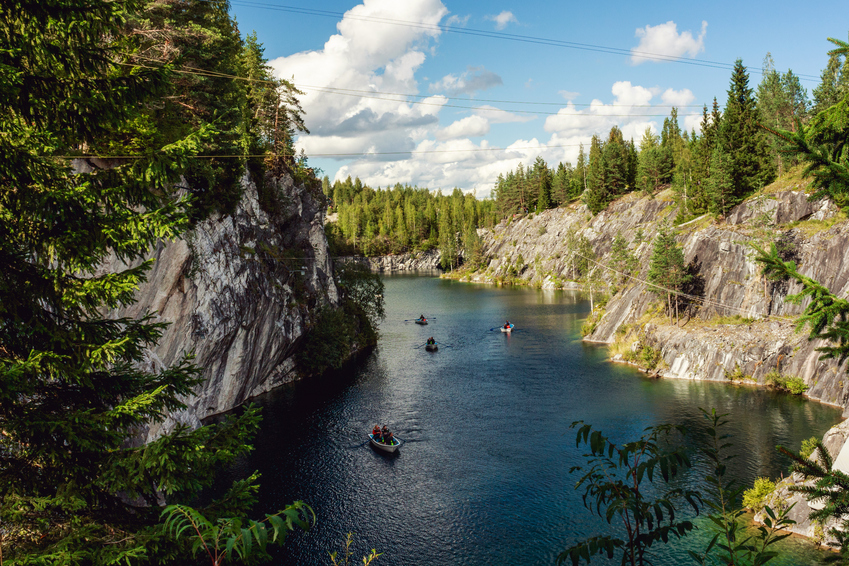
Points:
[(444, 94)]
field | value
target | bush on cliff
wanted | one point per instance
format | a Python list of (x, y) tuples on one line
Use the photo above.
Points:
[(337, 333)]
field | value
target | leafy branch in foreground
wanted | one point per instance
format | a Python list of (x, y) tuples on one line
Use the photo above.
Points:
[(222, 539), (349, 539), (614, 481), (729, 544)]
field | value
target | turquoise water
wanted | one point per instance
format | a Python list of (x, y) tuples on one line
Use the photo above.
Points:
[(483, 478)]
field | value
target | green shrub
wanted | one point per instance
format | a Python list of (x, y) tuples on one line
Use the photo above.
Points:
[(542, 230), (796, 385), (737, 374), (755, 498), (789, 383), (650, 357), (808, 447)]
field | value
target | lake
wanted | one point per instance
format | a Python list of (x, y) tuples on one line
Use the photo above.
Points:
[(483, 478)]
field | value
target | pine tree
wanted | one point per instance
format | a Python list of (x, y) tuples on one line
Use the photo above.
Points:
[(654, 163), (542, 178), (616, 164), (622, 260)]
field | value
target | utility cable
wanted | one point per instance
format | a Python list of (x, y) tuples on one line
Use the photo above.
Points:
[(341, 92), (695, 298), (500, 35)]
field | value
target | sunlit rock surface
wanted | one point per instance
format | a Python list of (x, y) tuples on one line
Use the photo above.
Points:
[(534, 249), (238, 292)]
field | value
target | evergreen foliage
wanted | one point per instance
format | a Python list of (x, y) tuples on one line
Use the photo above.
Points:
[(741, 145), (667, 268), (73, 489), (382, 221)]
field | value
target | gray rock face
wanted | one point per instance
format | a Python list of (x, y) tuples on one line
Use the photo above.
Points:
[(238, 292), (728, 282), (416, 261)]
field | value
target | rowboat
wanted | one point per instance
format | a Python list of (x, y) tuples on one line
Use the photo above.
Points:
[(421, 321), (504, 329), (396, 443), (431, 347)]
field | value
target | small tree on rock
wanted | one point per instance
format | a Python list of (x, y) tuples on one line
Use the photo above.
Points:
[(667, 269)]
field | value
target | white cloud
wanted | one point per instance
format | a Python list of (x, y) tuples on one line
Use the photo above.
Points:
[(367, 55), (457, 21), (469, 127), (473, 80), (568, 94), (662, 42), (678, 97), (501, 20)]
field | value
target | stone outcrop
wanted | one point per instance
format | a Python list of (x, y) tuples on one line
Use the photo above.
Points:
[(414, 261), (238, 291), (735, 323), (800, 508)]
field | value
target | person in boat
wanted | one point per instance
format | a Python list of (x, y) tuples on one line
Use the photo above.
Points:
[(388, 439), (375, 432), (507, 324), (431, 341), (385, 435), (422, 318)]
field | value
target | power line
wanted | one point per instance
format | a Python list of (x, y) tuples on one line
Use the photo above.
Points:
[(705, 301), (500, 35), (205, 73), (357, 154)]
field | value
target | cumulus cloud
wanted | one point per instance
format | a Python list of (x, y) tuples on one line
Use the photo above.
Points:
[(629, 110), (663, 42), (678, 97), (457, 21), (367, 55), (473, 80), (568, 94), (501, 20), (469, 127)]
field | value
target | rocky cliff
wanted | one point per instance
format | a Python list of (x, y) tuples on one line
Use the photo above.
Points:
[(415, 261), (734, 323), (238, 291)]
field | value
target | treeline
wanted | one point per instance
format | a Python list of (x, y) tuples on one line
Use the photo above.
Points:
[(732, 156), (404, 218)]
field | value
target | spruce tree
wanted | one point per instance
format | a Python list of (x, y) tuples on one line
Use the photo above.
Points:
[(596, 196), (742, 143), (74, 392), (616, 164), (667, 269)]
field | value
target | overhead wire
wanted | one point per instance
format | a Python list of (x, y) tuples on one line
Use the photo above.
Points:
[(365, 94), (499, 35)]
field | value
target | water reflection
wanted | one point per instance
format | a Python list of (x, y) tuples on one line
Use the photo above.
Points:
[(483, 477)]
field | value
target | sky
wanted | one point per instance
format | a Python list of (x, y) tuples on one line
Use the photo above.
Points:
[(444, 94)]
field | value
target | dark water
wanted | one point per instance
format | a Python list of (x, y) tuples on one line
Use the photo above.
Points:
[(483, 478)]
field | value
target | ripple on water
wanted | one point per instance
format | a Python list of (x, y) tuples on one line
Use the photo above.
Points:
[(483, 477)]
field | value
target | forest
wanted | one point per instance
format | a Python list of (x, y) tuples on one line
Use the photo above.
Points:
[(378, 222), (710, 171)]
